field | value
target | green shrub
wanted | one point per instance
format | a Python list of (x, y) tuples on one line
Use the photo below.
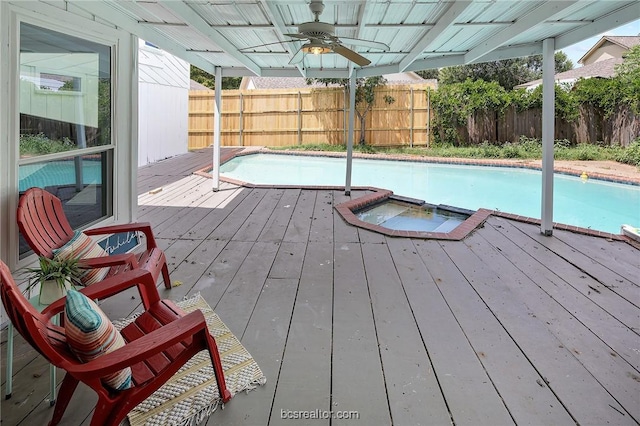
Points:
[(630, 154), (40, 144)]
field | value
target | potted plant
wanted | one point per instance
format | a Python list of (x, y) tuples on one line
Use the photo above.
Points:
[(55, 277)]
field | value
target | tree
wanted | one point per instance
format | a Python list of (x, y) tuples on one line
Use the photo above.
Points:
[(507, 72), (206, 79), (365, 95), (628, 73), (429, 74)]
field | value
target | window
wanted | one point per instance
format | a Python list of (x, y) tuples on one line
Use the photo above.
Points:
[(65, 122)]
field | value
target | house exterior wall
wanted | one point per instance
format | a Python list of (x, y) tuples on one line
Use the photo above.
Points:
[(607, 51), (163, 105)]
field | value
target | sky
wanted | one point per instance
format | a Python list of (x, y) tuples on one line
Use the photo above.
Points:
[(576, 51)]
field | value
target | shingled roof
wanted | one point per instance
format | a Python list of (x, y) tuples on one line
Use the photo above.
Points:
[(601, 69), (626, 42)]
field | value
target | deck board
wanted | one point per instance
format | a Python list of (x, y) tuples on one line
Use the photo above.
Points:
[(589, 403), (322, 223), (469, 393), (278, 222), (611, 254), (412, 388), (300, 223), (399, 331), (511, 373), (608, 278), (360, 389), (257, 220), (588, 333), (304, 383)]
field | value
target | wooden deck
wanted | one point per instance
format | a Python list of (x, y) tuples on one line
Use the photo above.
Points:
[(506, 326)]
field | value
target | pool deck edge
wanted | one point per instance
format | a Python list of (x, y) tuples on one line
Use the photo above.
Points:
[(346, 209)]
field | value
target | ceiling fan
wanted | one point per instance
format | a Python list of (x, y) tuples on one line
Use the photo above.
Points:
[(320, 38)]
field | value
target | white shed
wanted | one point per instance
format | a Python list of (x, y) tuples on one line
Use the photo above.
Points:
[(163, 104)]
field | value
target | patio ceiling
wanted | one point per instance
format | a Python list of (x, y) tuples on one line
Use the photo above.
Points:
[(421, 34)]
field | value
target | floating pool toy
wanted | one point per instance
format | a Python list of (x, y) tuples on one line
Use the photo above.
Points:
[(584, 176), (630, 231)]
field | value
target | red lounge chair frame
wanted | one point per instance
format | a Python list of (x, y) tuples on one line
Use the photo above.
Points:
[(158, 343), (45, 227)]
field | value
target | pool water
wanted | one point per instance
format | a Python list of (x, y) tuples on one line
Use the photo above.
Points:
[(595, 204), (58, 173), (407, 217)]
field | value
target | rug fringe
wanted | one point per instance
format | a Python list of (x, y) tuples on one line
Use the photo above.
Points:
[(201, 415)]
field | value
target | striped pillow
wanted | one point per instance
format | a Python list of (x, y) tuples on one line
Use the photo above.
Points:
[(91, 334), (81, 246)]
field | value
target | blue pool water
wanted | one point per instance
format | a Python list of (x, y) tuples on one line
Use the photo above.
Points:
[(58, 173), (592, 204)]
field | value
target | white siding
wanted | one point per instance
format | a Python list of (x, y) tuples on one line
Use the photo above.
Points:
[(163, 105)]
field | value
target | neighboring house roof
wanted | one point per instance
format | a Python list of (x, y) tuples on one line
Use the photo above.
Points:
[(602, 69), (626, 42), (194, 85), (300, 82)]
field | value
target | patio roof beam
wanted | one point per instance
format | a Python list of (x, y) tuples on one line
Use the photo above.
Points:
[(622, 16), (362, 15), (343, 26), (458, 58), (110, 14), (282, 30), (198, 23), (446, 20), (540, 14)]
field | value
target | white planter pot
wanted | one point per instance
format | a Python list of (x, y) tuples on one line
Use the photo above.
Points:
[(50, 291)]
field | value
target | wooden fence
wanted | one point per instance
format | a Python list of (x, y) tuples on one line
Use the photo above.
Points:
[(621, 128), (286, 117)]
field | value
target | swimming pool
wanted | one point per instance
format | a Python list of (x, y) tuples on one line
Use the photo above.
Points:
[(594, 204), (58, 173)]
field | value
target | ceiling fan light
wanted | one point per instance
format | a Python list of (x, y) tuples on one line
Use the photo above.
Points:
[(315, 48)]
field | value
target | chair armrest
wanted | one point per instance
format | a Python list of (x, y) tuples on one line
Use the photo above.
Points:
[(142, 348), (114, 285), (108, 261), (144, 227)]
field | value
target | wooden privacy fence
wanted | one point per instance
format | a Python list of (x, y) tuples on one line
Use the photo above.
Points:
[(621, 128), (286, 117)]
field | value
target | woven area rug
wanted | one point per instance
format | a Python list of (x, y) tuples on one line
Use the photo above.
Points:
[(192, 393)]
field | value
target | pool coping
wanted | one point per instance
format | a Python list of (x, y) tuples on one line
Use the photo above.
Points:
[(476, 220)]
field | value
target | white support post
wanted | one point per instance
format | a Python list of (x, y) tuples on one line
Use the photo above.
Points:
[(548, 131), (352, 121), (217, 122)]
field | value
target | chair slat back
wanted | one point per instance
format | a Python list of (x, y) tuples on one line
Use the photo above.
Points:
[(48, 339), (42, 221)]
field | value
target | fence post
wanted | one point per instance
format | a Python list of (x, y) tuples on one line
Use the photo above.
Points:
[(241, 126), (299, 118), (428, 117), (344, 115), (411, 119)]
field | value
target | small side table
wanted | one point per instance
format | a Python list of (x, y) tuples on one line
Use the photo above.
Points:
[(35, 301)]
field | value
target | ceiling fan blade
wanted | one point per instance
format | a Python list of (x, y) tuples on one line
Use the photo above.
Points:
[(350, 55), (297, 57), (300, 36), (365, 43)]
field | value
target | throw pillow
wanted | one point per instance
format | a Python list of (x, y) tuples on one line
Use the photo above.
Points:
[(91, 334), (81, 246)]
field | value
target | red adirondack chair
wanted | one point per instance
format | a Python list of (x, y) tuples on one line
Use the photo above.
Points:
[(45, 227), (158, 343)]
